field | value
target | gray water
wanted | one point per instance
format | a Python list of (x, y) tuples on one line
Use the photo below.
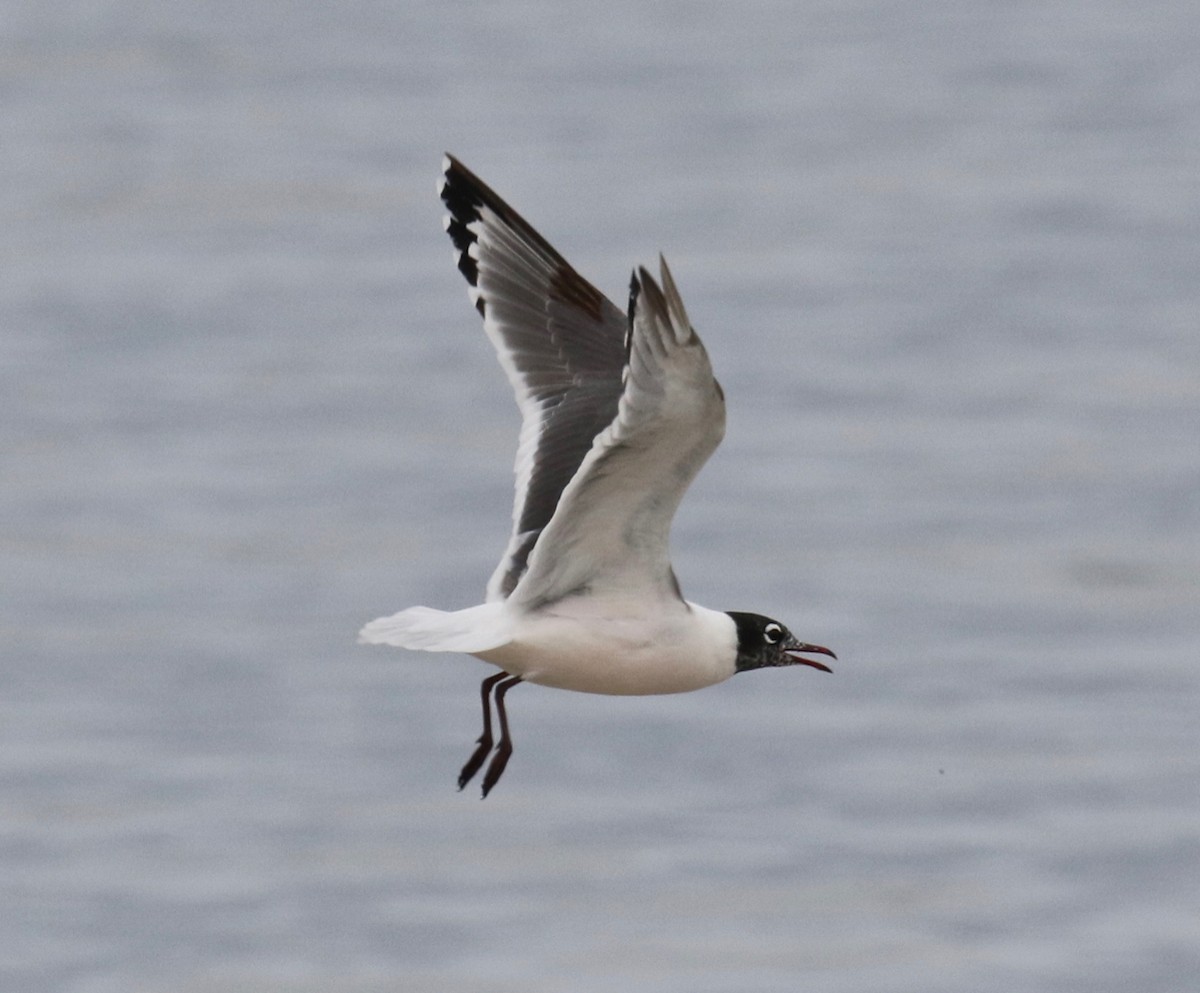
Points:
[(945, 259)]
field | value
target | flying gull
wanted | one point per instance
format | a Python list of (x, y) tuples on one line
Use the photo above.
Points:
[(618, 413)]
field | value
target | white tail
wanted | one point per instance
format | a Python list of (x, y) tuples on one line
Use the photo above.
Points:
[(423, 629)]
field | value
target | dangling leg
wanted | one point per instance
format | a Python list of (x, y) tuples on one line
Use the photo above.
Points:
[(504, 749), (485, 739)]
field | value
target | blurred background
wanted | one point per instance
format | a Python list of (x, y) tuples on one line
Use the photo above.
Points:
[(945, 260)]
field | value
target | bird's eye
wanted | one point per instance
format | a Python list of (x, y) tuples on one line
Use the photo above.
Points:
[(772, 633)]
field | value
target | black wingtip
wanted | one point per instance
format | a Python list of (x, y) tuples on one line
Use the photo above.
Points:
[(462, 206), (635, 292), (465, 196)]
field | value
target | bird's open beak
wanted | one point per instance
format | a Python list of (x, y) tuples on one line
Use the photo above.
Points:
[(795, 647)]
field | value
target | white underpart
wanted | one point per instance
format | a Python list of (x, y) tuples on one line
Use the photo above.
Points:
[(618, 647)]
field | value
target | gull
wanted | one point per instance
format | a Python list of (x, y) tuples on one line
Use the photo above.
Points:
[(618, 414)]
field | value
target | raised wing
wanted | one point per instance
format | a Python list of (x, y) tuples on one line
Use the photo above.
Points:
[(611, 528), (561, 342)]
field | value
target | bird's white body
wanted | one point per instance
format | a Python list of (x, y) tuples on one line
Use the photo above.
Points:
[(618, 645)]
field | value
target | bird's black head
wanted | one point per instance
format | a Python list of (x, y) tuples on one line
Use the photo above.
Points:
[(763, 642)]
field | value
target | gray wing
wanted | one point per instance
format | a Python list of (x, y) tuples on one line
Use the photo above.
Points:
[(610, 530), (560, 341)]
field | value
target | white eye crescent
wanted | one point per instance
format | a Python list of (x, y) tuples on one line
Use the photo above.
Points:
[(772, 634)]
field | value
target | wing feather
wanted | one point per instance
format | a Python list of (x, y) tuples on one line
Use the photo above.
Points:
[(560, 341), (611, 528)]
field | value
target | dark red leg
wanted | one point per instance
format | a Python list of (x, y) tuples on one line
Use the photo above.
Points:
[(485, 739), (504, 749)]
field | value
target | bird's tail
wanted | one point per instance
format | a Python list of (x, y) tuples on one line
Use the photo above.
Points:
[(476, 629)]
